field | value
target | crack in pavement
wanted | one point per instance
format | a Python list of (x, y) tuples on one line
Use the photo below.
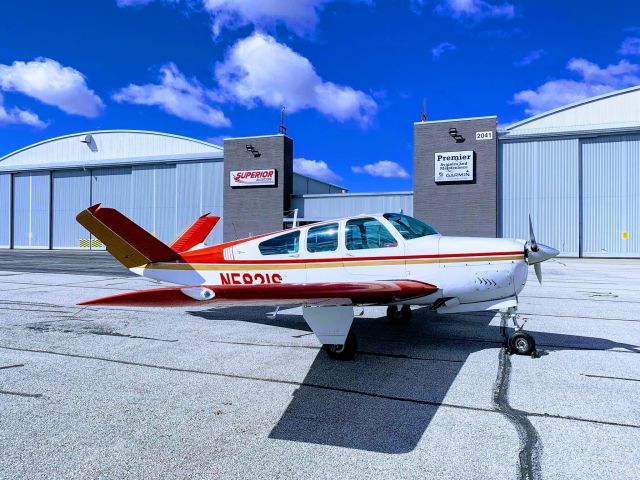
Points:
[(530, 445)]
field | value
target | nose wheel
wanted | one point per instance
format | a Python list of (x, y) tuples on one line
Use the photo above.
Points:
[(522, 343), (343, 352), (519, 342)]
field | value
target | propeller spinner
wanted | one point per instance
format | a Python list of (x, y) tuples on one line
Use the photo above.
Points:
[(537, 252)]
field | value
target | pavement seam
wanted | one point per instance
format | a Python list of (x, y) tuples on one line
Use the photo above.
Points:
[(319, 386)]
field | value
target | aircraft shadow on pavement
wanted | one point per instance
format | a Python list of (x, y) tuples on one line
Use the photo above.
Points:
[(385, 399)]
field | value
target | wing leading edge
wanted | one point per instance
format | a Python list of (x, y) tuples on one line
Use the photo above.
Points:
[(382, 292)]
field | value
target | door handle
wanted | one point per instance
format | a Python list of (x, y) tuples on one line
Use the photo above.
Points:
[(294, 255)]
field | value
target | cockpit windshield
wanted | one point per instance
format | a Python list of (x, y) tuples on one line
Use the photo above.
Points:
[(409, 227)]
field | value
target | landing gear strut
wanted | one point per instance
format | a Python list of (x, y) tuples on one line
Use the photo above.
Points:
[(343, 352), (401, 317), (519, 342)]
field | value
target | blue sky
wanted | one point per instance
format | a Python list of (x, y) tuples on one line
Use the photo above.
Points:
[(352, 73)]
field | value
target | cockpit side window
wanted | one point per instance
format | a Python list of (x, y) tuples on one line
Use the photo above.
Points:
[(323, 238), (281, 245), (409, 227), (362, 233)]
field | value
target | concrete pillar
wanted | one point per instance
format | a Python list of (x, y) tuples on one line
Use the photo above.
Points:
[(463, 206), (252, 207)]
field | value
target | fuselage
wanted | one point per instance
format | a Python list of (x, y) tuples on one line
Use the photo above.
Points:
[(358, 249)]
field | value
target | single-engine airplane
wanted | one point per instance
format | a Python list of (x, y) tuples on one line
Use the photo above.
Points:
[(329, 268)]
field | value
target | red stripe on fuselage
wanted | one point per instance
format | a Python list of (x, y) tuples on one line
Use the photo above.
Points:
[(355, 259)]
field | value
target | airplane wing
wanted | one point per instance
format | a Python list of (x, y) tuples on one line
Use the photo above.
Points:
[(339, 293)]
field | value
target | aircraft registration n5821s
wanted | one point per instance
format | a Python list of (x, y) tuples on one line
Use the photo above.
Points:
[(329, 268)]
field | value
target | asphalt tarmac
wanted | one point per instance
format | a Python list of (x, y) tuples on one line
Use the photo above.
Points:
[(229, 393)]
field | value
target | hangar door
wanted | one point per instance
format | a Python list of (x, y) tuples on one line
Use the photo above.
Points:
[(31, 200), (611, 196), (71, 192), (541, 178)]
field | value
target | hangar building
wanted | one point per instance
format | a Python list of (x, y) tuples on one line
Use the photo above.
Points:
[(575, 170)]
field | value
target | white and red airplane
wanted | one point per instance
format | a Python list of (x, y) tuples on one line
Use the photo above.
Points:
[(329, 268)]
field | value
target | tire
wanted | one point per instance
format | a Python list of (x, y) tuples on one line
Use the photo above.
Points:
[(343, 352), (522, 343), (401, 317)]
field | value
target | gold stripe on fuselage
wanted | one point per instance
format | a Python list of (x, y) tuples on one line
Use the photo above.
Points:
[(244, 267)]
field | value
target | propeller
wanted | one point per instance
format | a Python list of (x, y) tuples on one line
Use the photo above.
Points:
[(538, 253)]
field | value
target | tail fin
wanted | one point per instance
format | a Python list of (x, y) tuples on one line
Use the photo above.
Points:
[(195, 234), (130, 244)]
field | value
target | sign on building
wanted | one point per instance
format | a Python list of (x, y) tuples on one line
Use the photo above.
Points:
[(252, 178), (454, 166)]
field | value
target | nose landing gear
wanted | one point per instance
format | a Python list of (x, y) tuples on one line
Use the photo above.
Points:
[(519, 342)]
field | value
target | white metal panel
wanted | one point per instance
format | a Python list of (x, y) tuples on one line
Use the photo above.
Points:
[(107, 145), (143, 208), (31, 210), (112, 188), (541, 178), (71, 195), (165, 202), (189, 198), (212, 183), (611, 196), (5, 210)]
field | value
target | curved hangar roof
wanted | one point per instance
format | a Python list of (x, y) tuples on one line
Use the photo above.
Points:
[(108, 147), (614, 111)]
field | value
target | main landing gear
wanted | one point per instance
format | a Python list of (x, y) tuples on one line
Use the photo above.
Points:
[(400, 316), (519, 342), (343, 352)]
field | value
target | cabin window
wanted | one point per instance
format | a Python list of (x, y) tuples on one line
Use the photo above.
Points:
[(409, 227), (281, 245), (323, 238), (364, 233)]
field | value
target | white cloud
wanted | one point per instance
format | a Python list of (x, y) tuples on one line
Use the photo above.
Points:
[(53, 84), (438, 50), (383, 168), (531, 57), (299, 16), (176, 95), (593, 81), (473, 9), (630, 46), (259, 70), (17, 116), (315, 169)]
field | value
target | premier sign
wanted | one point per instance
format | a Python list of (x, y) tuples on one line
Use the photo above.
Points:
[(454, 166), (253, 178)]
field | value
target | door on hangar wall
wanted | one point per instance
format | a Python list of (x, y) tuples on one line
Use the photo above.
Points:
[(5, 210), (71, 195), (611, 196), (31, 201), (112, 188), (541, 178)]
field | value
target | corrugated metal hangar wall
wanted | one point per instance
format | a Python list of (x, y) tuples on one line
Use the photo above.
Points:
[(576, 170), (162, 193), (163, 199)]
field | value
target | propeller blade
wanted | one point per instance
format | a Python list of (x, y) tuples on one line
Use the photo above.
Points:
[(538, 268), (534, 244)]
